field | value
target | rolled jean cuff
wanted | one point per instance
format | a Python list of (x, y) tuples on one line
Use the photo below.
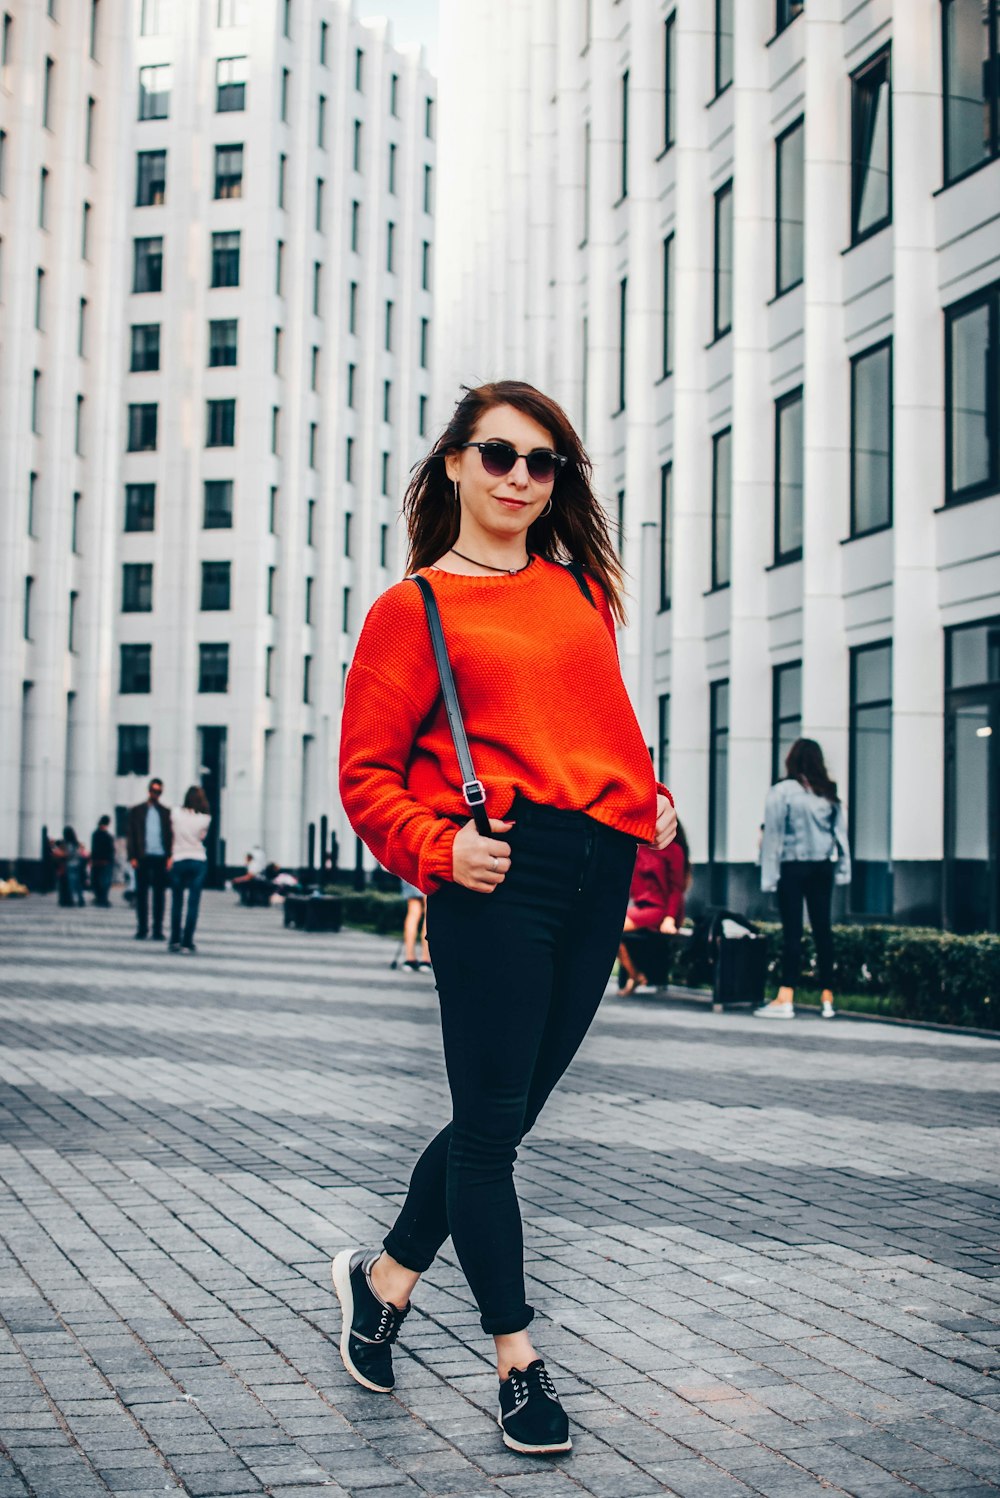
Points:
[(407, 1254), (506, 1326)]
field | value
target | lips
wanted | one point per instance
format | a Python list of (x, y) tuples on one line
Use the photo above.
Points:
[(512, 504)]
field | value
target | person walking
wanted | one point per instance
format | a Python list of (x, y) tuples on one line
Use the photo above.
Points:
[(71, 858), (804, 853), (102, 862), (656, 899), (188, 865), (524, 918), (148, 850), (414, 929)]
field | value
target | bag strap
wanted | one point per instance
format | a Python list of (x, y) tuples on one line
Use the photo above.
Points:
[(576, 572), (473, 792)]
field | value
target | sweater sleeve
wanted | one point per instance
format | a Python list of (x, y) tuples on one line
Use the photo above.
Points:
[(381, 718)]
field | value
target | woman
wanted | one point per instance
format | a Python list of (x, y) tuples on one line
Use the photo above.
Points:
[(656, 898), (188, 866), (414, 927), (71, 858), (803, 854), (523, 924)]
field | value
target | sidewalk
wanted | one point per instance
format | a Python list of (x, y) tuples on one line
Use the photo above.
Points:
[(765, 1257)]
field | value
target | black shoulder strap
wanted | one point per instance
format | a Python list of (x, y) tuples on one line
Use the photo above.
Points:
[(577, 574), (472, 787)]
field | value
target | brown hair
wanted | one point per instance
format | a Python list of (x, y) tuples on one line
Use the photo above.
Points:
[(196, 800), (804, 763), (575, 527)]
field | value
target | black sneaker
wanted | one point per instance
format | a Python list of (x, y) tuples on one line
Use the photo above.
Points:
[(531, 1417), (371, 1325), (175, 946), (409, 967)]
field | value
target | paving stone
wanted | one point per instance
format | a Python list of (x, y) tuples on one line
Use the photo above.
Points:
[(764, 1265)]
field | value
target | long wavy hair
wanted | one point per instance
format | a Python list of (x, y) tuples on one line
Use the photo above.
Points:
[(804, 763), (576, 526)]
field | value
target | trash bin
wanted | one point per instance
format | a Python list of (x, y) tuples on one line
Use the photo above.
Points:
[(737, 952)]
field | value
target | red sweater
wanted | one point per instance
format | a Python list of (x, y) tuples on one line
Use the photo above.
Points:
[(544, 705), (659, 879)]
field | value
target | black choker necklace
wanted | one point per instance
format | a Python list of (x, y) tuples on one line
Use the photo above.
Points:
[(512, 571)]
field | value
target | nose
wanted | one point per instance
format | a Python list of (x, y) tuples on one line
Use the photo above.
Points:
[(518, 475)]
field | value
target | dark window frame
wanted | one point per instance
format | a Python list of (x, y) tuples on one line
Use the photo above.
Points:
[(666, 534), (993, 23), (720, 84), (785, 13), (140, 504), (669, 74), (130, 653), (663, 736), (143, 348), (137, 588), (883, 57), (779, 720), (207, 660), (622, 345), (132, 757), (147, 182), (216, 584), (667, 330), (717, 437), (794, 553), (151, 262), (988, 296), (853, 708), (781, 289), (856, 359), (721, 195), (224, 258), (217, 517)]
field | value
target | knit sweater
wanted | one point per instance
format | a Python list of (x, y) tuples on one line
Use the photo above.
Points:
[(543, 701)]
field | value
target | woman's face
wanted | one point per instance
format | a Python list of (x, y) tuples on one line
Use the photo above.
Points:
[(505, 506)]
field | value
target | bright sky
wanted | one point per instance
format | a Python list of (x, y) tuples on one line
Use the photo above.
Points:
[(413, 21)]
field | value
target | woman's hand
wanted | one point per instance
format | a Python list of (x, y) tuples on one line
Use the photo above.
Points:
[(666, 823), (480, 863), (668, 926)]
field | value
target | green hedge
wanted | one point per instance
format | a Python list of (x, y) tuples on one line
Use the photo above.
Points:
[(912, 972)]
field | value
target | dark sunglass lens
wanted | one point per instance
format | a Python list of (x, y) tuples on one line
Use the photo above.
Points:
[(498, 458), (542, 466)]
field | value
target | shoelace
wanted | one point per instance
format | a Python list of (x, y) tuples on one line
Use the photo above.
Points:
[(520, 1383), (545, 1382), (389, 1321)]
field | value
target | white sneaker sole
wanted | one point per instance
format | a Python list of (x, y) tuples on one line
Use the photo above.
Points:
[(768, 1013), (340, 1271), (508, 1440)]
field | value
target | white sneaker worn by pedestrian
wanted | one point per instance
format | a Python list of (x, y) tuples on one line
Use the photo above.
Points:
[(828, 1010), (774, 1010)]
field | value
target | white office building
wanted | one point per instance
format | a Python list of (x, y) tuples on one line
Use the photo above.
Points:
[(215, 260), (753, 246)]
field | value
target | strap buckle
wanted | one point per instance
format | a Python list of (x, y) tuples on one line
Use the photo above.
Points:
[(474, 793)]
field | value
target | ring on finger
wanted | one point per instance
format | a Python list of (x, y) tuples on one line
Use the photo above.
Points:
[(494, 862)]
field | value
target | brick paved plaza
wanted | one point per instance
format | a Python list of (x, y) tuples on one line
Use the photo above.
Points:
[(765, 1256)]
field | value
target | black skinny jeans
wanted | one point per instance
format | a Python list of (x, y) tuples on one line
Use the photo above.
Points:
[(520, 974), (812, 882)]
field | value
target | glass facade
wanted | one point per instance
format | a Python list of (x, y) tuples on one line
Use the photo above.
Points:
[(869, 803), (972, 777)]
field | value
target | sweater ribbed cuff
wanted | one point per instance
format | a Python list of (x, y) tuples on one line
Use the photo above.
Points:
[(436, 857)]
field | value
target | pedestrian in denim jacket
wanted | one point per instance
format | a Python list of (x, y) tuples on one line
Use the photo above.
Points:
[(804, 852)]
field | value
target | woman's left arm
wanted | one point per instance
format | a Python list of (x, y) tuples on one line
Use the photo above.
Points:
[(842, 869)]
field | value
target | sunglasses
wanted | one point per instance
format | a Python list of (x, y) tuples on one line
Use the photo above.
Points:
[(499, 458)]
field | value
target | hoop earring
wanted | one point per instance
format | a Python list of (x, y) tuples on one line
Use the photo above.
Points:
[(547, 509)]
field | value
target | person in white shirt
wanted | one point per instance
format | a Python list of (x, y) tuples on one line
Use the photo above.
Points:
[(188, 865)]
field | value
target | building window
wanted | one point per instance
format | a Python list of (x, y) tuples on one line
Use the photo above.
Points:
[(429, 119), (84, 231), (394, 96), (620, 524), (217, 514), (786, 713), (229, 171), (349, 461), (383, 545), (623, 162), (971, 384), (359, 70), (3, 163), (43, 198), (78, 427), (319, 205), (387, 401), (226, 258), (390, 246), (26, 622), (871, 148), (788, 469), (276, 430), (388, 327), (276, 361), (971, 44), (663, 736), (317, 298), (147, 273), (428, 186), (133, 749), (74, 540), (137, 588), (282, 175), (142, 423), (321, 122), (347, 533), (313, 436), (871, 439), (352, 370), (214, 587), (385, 473), (667, 352), (135, 670), (425, 267), (154, 92), (666, 534), (286, 20), (151, 178), (722, 498), (40, 300), (233, 12), (220, 424), (345, 620), (425, 328), (585, 200), (622, 343), (393, 155), (230, 85), (356, 148), (718, 788), (324, 32), (870, 793), (307, 661), (722, 299), (972, 777), (272, 511), (88, 132), (222, 342), (669, 78), (723, 44), (314, 369), (81, 329), (790, 188), (310, 522), (32, 493), (422, 416), (787, 10), (213, 668), (154, 17), (355, 227), (145, 347), (140, 507), (36, 401), (283, 102), (268, 669), (48, 84), (74, 599), (271, 580), (279, 267), (309, 600)]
